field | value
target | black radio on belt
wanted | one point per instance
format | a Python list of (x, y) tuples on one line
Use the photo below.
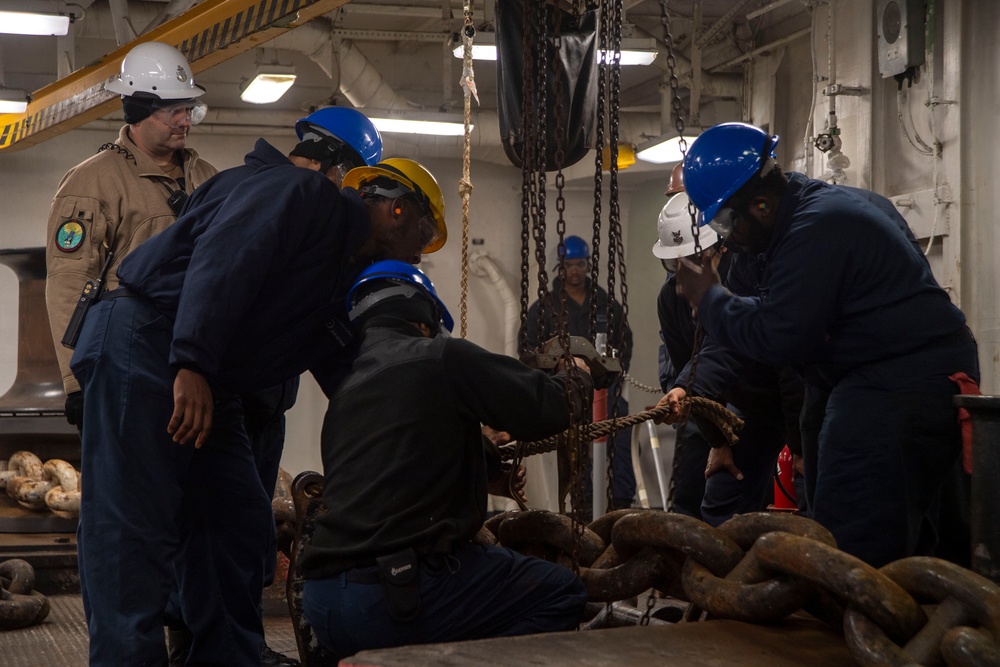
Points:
[(176, 201), (91, 292)]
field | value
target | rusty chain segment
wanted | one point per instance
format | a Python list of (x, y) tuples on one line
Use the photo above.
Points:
[(962, 629), (756, 568), (726, 421), (20, 604), (762, 567)]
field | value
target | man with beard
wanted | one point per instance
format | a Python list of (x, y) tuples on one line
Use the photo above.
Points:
[(846, 295)]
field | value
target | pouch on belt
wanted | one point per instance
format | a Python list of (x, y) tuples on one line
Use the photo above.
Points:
[(399, 579)]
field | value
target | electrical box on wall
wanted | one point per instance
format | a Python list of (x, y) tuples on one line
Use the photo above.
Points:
[(900, 26)]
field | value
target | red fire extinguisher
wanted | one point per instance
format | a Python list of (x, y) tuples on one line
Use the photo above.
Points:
[(784, 488)]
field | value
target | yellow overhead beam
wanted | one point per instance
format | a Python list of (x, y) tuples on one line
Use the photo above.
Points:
[(208, 34)]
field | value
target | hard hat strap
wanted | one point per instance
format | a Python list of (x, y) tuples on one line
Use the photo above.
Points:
[(367, 302)]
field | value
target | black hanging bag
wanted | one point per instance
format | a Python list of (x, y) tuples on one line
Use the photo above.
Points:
[(578, 78)]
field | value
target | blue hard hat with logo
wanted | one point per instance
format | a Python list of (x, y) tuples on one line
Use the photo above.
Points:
[(721, 161), (347, 126), (401, 280), (576, 248)]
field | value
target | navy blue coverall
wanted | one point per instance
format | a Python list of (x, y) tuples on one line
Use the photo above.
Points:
[(264, 410), (767, 398), (578, 324), (245, 294), (406, 468), (848, 295)]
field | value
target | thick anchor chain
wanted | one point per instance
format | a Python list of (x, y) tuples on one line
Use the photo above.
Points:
[(760, 567), (20, 604)]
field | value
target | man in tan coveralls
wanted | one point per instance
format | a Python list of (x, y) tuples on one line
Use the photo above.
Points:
[(131, 190)]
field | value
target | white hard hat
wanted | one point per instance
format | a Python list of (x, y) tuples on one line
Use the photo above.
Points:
[(674, 230), (158, 69)]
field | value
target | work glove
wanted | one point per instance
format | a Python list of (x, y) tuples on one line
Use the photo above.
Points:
[(74, 409)]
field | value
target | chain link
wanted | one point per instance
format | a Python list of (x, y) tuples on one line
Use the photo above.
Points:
[(726, 421), (677, 111), (760, 567), (541, 32), (640, 385), (602, 93), (650, 603), (616, 247), (528, 130), (574, 383)]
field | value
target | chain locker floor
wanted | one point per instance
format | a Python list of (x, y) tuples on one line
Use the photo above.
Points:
[(791, 643), (61, 641)]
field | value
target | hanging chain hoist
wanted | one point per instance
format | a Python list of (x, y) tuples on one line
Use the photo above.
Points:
[(616, 248), (579, 451), (677, 111)]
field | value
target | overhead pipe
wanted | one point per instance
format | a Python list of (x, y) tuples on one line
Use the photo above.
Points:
[(360, 81), (762, 49)]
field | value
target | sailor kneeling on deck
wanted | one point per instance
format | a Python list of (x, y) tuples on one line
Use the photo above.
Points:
[(406, 469)]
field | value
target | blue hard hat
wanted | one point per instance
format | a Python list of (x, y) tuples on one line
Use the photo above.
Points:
[(576, 248), (721, 161), (409, 281), (348, 126)]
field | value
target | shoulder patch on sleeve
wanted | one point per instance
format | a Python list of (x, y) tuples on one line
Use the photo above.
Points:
[(70, 235)]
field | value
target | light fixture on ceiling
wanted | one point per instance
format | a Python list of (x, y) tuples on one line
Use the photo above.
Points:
[(633, 51), (268, 84), (418, 122), (12, 100), (36, 17), (662, 149)]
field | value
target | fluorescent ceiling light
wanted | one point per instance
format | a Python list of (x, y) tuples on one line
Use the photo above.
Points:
[(270, 83), (663, 149), (479, 51), (438, 124), (31, 23), (13, 101), (633, 51), (632, 57)]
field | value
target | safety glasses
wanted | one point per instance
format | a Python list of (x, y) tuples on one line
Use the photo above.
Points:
[(177, 114), (724, 222), (343, 158), (428, 231)]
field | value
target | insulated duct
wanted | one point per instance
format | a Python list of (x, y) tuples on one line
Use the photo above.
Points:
[(483, 265)]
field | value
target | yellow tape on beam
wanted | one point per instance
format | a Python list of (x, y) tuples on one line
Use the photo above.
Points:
[(210, 33)]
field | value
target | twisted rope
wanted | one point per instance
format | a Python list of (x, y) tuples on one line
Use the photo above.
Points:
[(465, 184), (727, 422)]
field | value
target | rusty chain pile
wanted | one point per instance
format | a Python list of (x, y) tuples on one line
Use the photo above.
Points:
[(759, 568), (20, 604), (54, 485), (727, 422)]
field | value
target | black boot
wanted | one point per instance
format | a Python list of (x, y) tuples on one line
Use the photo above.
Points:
[(271, 658)]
